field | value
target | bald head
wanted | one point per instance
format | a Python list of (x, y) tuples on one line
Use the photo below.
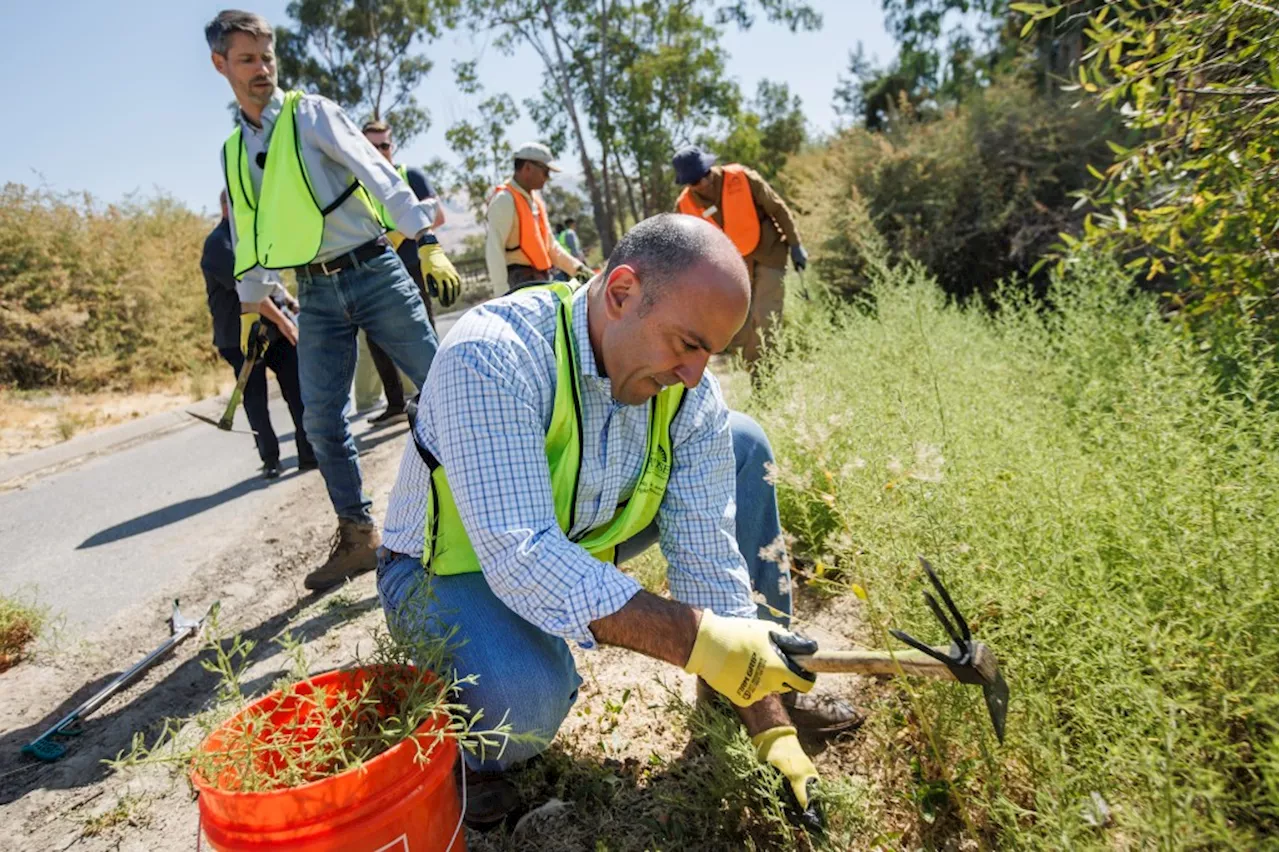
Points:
[(675, 291), (675, 254)]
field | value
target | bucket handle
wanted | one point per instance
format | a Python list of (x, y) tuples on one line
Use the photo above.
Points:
[(462, 763), (462, 812)]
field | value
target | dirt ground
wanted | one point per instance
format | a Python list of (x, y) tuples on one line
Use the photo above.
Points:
[(34, 420), (621, 735)]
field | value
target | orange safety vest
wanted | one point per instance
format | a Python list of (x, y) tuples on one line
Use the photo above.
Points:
[(535, 233), (741, 221)]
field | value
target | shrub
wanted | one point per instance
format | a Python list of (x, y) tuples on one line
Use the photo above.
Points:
[(1106, 518), (96, 297), (975, 195)]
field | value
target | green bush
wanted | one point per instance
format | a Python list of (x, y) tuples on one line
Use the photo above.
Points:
[(95, 297), (1103, 514), (976, 195)]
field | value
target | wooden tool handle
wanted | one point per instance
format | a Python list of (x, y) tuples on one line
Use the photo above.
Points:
[(874, 663)]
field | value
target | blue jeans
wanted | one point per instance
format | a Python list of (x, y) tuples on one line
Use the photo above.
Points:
[(380, 297), (526, 675)]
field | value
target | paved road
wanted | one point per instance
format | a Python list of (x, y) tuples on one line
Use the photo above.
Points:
[(91, 538)]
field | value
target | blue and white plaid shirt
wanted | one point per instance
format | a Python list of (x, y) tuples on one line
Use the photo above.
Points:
[(485, 412)]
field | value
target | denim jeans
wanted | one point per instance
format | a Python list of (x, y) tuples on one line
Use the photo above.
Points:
[(378, 296), (527, 676)]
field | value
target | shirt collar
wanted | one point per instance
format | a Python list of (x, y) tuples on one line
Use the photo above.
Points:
[(582, 339), (269, 114)]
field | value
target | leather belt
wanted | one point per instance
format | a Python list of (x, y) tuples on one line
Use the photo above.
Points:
[(356, 256)]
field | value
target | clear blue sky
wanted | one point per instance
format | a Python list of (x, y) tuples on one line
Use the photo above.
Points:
[(118, 97)]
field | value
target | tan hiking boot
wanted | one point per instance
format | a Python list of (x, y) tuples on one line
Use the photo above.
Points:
[(354, 550)]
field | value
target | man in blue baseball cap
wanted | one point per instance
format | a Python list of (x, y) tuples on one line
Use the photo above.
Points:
[(738, 201)]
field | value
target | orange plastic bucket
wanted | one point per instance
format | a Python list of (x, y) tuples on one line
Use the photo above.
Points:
[(395, 802)]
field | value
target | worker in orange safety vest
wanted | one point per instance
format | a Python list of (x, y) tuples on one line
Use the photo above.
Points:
[(737, 200), (519, 246)]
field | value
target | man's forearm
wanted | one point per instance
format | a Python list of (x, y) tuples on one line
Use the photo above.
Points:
[(666, 630), (654, 626)]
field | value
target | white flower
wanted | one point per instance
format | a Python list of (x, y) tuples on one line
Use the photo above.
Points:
[(776, 552), (928, 463)]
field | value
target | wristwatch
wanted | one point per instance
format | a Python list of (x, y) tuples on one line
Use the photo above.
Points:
[(428, 239)]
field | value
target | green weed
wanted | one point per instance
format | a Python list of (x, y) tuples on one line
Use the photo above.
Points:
[(1104, 516), (331, 732)]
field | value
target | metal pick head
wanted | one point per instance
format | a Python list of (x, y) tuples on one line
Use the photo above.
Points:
[(996, 694), (218, 425)]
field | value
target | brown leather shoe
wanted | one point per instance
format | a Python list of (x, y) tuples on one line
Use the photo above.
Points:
[(821, 714), (491, 798), (354, 551), (812, 713)]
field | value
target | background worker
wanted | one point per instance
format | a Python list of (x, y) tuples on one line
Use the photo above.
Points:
[(230, 337), (742, 204), (519, 246), (302, 182), (514, 521), (567, 236), (390, 379)]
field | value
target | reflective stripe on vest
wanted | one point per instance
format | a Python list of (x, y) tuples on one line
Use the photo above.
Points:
[(535, 233), (447, 549), (737, 208), (380, 209), (283, 225)]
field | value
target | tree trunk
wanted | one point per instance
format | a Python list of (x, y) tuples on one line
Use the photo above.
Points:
[(605, 131), (599, 213), (626, 184)]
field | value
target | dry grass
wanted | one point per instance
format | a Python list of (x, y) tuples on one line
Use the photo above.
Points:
[(20, 624), (97, 296)]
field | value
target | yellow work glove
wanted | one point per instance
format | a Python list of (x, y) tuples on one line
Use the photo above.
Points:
[(246, 328), (442, 279), (583, 273), (779, 748), (745, 659), (396, 239)]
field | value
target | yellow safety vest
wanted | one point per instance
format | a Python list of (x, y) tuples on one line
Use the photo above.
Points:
[(283, 225), (446, 547)]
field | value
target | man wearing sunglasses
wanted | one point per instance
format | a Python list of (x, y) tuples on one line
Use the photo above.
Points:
[(442, 285), (519, 246)]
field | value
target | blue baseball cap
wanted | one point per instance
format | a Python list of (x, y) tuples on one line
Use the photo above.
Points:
[(691, 164)]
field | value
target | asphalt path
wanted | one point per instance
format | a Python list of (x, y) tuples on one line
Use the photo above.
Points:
[(94, 536)]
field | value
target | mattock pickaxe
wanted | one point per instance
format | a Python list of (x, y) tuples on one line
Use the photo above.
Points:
[(258, 342), (965, 660)]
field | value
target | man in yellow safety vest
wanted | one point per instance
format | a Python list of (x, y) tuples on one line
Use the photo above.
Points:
[(303, 183), (563, 430), (520, 248), (742, 204)]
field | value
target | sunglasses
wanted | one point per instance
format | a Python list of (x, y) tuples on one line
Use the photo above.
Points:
[(385, 146)]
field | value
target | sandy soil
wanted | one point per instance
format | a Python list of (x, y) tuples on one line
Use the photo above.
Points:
[(32, 421)]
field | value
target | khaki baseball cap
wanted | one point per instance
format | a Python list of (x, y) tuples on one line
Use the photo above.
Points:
[(537, 152)]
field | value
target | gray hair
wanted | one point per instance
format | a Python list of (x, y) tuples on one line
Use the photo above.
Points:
[(663, 247), (219, 30)]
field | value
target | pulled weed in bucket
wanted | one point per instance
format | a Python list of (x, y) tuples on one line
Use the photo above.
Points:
[(405, 689)]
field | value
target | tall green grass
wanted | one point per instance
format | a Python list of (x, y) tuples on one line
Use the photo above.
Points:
[(1107, 520)]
